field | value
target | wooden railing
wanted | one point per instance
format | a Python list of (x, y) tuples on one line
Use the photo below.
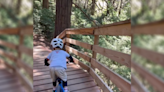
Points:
[(20, 49), (156, 28), (121, 29)]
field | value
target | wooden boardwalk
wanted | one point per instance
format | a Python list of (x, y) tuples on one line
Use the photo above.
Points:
[(78, 79), (9, 82)]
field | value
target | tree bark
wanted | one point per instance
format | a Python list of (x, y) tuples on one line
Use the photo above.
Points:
[(18, 6), (93, 7), (45, 4), (63, 15), (120, 8)]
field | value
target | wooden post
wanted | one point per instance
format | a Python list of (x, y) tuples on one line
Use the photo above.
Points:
[(96, 42), (21, 40), (67, 36)]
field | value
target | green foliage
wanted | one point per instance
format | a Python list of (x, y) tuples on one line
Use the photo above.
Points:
[(145, 12), (44, 19)]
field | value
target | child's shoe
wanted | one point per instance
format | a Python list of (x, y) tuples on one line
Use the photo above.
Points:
[(54, 89), (66, 90)]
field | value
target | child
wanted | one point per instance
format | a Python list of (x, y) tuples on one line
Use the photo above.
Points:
[(58, 63)]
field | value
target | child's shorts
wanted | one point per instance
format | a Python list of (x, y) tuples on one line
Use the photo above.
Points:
[(58, 72)]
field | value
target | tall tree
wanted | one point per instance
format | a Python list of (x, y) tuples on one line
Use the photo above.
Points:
[(93, 7), (63, 15), (45, 4)]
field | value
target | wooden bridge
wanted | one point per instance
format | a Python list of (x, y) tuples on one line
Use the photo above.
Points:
[(81, 77), (12, 74)]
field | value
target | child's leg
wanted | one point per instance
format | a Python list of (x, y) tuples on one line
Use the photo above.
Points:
[(54, 85), (61, 73), (65, 86), (53, 76)]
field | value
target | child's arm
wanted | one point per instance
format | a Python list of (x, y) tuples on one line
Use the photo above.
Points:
[(46, 62), (71, 59)]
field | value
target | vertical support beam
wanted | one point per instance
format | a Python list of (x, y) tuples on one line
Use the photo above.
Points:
[(96, 42), (21, 40), (67, 36)]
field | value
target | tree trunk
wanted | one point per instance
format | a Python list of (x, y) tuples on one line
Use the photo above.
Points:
[(120, 8), (45, 4), (93, 7), (18, 6), (63, 15)]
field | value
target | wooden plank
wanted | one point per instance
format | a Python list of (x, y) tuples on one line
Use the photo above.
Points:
[(46, 69), (8, 44), (119, 57), (150, 28), (71, 87), (138, 85), (37, 78), (27, 30), (79, 43), (4, 87), (82, 86), (68, 73), (9, 66), (151, 55), (14, 88), (64, 40), (8, 55), (21, 40), (5, 75), (26, 67), (70, 65), (62, 34), (91, 89), (67, 36), (115, 24), (9, 31), (76, 52), (84, 31), (20, 63), (118, 80), (26, 50), (156, 82), (9, 81), (117, 30), (70, 81), (100, 82), (24, 80), (81, 64), (96, 42)]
